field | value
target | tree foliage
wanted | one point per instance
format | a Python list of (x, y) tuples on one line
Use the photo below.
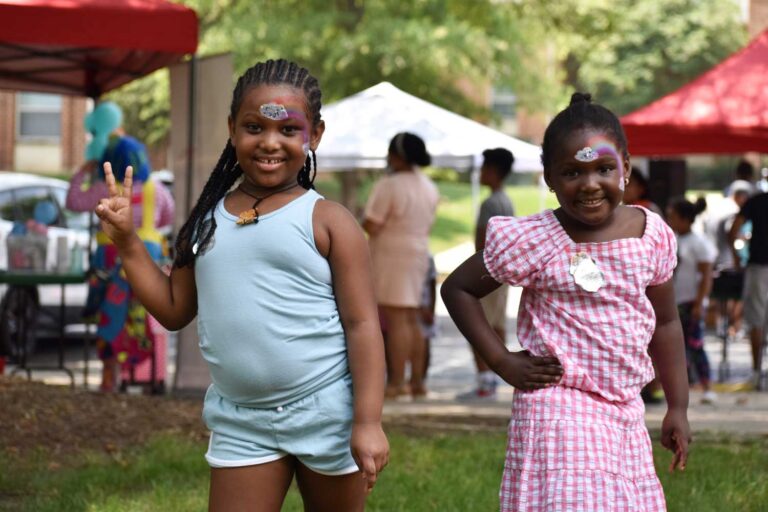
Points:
[(629, 53), (626, 53)]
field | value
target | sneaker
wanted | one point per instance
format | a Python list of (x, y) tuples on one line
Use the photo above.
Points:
[(477, 395), (709, 397)]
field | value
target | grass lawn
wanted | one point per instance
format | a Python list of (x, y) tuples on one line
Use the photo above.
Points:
[(455, 222), (438, 472)]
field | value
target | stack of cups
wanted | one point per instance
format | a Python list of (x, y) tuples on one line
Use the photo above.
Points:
[(62, 254)]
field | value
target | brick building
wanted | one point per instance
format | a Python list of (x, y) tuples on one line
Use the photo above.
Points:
[(41, 133)]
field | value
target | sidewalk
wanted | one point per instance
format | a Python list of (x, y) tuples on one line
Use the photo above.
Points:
[(735, 414)]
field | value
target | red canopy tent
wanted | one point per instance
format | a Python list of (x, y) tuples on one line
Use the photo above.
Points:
[(88, 47), (725, 110)]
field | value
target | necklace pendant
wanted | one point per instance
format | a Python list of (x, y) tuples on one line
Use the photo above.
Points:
[(248, 217)]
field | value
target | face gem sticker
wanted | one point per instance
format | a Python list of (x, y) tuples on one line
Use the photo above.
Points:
[(585, 273), (586, 154), (273, 111)]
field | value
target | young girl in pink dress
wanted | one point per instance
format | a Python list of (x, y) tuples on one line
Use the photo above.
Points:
[(598, 308)]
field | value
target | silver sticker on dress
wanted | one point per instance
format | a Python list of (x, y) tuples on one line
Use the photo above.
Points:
[(585, 272)]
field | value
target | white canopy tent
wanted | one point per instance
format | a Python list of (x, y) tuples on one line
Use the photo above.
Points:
[(360, 127)]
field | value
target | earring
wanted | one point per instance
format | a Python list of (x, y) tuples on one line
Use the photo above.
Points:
[(551, 189), (626, 181)]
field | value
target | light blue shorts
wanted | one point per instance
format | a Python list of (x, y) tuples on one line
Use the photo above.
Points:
[(316, 430)]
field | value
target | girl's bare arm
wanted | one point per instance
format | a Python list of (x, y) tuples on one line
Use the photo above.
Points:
[(172, 300), (461, 294), (667, 350), (339, 238)]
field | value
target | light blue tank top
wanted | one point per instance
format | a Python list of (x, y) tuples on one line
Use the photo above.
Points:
[(268, 323)]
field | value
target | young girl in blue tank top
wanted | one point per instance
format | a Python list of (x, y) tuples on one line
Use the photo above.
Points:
[(279, 280)]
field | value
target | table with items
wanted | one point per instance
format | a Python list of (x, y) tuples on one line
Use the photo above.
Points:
[(23, 284)]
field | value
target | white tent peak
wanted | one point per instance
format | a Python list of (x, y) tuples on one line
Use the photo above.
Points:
[(359, 128)]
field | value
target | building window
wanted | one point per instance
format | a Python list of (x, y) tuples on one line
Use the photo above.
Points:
[(503, 104), (39, 116)]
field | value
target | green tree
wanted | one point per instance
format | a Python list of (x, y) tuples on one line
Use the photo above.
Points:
[(629, 53), (626, 53), (435, 49)]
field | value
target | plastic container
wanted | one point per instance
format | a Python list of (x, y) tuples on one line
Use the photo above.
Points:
[(27, 252)]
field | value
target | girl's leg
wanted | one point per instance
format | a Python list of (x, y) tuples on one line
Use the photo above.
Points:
[(323, 493), (259, 488)]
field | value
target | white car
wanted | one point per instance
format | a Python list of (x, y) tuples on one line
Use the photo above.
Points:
[(21, 196)]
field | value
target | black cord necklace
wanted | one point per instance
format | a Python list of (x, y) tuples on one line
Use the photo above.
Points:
[(251, 216)]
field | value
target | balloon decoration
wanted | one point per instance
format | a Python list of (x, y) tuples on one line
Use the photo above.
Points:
[(103, 120)]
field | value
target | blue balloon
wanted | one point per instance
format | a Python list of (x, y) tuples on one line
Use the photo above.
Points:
[(45, 213)]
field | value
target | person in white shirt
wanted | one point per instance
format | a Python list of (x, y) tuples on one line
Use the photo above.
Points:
[(693, 283)]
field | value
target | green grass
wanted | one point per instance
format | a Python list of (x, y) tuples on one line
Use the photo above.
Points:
[(439, 472), (455, 221)]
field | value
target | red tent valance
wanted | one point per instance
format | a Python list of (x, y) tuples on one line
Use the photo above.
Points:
[(725, 110), (88, 47)]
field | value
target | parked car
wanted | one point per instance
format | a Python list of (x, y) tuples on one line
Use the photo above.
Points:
[(22, 196)]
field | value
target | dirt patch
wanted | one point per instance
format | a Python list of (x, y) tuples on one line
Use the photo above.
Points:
[(60, 421)]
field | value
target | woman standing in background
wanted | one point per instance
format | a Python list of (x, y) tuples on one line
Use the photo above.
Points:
[(398, 217)]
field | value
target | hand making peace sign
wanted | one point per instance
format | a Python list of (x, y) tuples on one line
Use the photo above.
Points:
[(115, 211)]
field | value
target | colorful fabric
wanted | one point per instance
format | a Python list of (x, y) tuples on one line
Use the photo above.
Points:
[(123, 151), (583, 441), (123, 330)]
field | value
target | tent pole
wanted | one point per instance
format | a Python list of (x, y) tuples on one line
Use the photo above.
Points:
[(474, 177), (191, 113), (191, 132)]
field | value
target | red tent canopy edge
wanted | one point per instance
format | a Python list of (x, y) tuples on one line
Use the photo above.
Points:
[(725, 110), (129, 24)]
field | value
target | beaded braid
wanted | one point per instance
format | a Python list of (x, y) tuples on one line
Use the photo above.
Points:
[(581, 113), (197, 232)]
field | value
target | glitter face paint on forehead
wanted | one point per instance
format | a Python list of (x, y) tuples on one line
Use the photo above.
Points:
[(273, 111), (276, 111)]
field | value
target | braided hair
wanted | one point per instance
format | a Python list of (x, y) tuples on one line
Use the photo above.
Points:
[(581, 113), (197, 232)]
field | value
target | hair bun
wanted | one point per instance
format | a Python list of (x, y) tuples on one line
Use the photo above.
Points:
[(581, 97)]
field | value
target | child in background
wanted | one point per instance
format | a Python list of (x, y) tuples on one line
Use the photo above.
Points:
[(693, 282), (497, 166), (596, 310), (280, 282)]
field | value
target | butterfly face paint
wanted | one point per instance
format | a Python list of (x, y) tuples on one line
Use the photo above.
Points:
[(600, 146), (278, 112)]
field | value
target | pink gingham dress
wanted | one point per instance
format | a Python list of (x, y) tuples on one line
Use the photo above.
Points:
[(583, 444)]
